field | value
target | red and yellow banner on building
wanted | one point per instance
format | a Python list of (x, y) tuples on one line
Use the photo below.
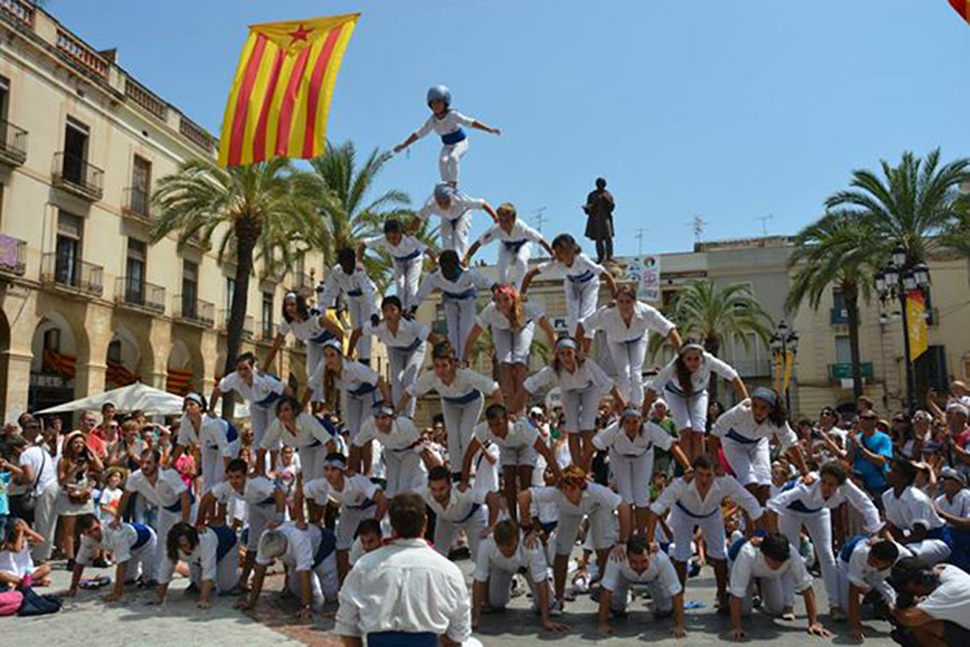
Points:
[(962, 7), (916, 319), (280, 98)]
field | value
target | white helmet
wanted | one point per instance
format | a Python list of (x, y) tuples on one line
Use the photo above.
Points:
[(439, 93)]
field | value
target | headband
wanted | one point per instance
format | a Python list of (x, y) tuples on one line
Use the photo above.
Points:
[(334, 344), (337, 463), (508, 291), (691, 346), (383, 410), (765, 394), (631, 412), (290, 295), (956, 407), (566, 342), (194, 397)]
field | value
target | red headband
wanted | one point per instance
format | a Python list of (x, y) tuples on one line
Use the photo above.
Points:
[(508, 291)]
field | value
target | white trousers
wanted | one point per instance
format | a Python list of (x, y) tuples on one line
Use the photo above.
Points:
[(407, 280), (311, 461), (360, 309), (500, 588), (628, 358), (682, 527), (406, 471), (323, 581), (213, 465), (751, 463), (141, 562), (601, 534), (513, 265), (631, 476), (929, 552), (460, 421), (580, 301), (347, 524), (260, 418), (688, 413), (454, 234), (258, 517), (513, 346), (662, 600), (819, 526), (357, 408), (227, 572), (776, 594), (581, 408), (882, 586), (404, 367), (445, 532), (314, 355), (45, 521), (460, 318), (449, 160)]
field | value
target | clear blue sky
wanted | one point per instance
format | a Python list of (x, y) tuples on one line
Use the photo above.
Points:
[(732, 110)]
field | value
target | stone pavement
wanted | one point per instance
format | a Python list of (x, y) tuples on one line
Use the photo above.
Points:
[(86, 621)]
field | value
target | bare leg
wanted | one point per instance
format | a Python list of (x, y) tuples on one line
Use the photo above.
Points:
[(721, 577), (559, 566), (519, 374), (588, 448), (68, 524), (511, 489), (343, 564), (681, 568), (640, 520), (575, 449)]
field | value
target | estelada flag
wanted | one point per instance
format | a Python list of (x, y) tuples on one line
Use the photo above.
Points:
[(916, 318), (280, 98), (962, 7)]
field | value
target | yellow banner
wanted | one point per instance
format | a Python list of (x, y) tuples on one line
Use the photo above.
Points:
[(789, 363), (916, 317)]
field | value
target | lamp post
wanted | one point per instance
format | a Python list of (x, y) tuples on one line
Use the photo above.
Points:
[(899, 278), (784, 345)]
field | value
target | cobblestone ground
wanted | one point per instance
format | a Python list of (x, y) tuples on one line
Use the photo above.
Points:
[(86, 621)]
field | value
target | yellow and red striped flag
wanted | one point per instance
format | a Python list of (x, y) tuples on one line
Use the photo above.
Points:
[(962, 7), (916, 316), (280, 98)]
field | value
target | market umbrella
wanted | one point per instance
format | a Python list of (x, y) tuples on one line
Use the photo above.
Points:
[(134, 397)]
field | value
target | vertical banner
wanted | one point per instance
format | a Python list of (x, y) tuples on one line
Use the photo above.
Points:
[(645, 272), (789, 363), (916, 319)]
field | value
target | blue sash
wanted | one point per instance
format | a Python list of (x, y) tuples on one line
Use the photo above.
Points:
[(328, 543), (408, 257), (231, 435), (735, 548), (849, 547), (363, 389), (581, 278), (634, 340), (369, 503), (798, 506), (144, 535), (413, 346), (402, 639), (461, 296), (326, 335), (684, 509), (676, 390), (326, 424), (471, 513), (514, 245), (937, 533), (468, 398), (548, 526), (355, 293), (268, 400), (738, 438), (452, 138), (227, 541), (177, 506)]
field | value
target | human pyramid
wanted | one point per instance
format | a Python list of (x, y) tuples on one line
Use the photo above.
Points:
[(520, 499)]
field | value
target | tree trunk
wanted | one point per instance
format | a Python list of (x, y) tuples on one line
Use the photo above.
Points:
[(850, 294), (712, 345), (247, 233)]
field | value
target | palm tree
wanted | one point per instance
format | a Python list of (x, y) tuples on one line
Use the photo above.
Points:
[(484, 347), (256, 211), (835, 250), (710, 314)]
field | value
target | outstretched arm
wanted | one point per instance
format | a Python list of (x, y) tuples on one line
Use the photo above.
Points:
[(485, 127), (473, 336), (527, 280)]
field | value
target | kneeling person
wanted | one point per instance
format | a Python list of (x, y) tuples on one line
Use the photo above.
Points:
[(211, 556), (131, 544), (864, 565)]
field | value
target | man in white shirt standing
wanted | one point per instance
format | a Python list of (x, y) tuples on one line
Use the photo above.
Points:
[(38, 472), (404, 593)]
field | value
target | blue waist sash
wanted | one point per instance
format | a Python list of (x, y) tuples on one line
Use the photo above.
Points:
[(409, 257), (269, 400), (798, 506), (849, 547), (676, 390), (469, 397), (580, 389), (177, 506), (328, 543), (369, 503), (454, 137), (460, 296), (363, 389), (355, 293), (326, 335), (548, 526), (514, 245), (581, 278), (738, 438), (471, 513), (684, 509), (402, 639), (144, 535), (231, 435), (413, 346), (937, 533), (634, 340), (227, 541)]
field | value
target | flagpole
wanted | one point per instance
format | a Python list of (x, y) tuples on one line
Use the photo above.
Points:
[(910, 387)]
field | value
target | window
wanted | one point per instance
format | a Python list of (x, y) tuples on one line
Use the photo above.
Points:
[(75, 151), (141, 183), (114, 352), (267, 319), (135, 272), (190, 288), (4, 99), (843, 350), (52, 340), (67, 249), (230, 291), (838, 299)]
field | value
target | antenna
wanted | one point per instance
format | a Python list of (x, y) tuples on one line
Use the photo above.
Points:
[(539, 218), (698, 224), (639, 238), (764, 223)]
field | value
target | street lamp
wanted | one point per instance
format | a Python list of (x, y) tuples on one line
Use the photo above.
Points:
[(784, 345), (897, 280)]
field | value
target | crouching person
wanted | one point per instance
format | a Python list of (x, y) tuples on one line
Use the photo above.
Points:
[(500, 557), (641, 567), (310, 559), (779, 572), (933, 606), (211, 556), (132, 546), (863, 567)]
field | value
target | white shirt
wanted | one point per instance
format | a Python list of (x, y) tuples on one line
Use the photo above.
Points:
[(466, 381), (810, 497), (520, 233), (586, 375), (739, 420), (301, 546), (339, 282), (910, 509), (410, 334), (492, 319), (490, 557), (353, 376), (582, 269), (645, 318), (660, 568), (213, 433), (750, 563), (402, 437), (309, 430), (258, 491), (404, 586), (959, 507), (699, 378), (686, 495), (951, 599), (616, 439), (357, 491), (467, 285), (41, 464), (594, 497), (205, 556), (858, 571), (520, 434), (17, 564), (305, 330), (404, 250), (458, 207), (264, 386), (168, 487), (449, 123), (118, 542), (458, 506)]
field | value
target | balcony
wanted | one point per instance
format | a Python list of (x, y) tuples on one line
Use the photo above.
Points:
[(838, 316), (303, 284), (196, 134), (843, 371), (248, 324), (13, 144), (194, 311), (80, 55), (146, 99), (137, 204), (64, 272), (18, 12), (76, 176), (13, 255), (140, 295)]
